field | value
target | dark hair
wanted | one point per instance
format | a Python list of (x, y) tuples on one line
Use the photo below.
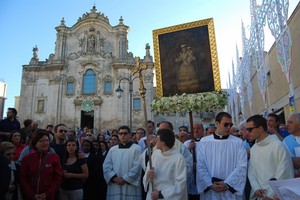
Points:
[(209, 128), (37, 135), (116, 136), (105, 144), (125, 127), (67, 153), (167, 136), (91, 145), (169, 124), (149, 121), (27, 122), (186, 128), (220, 116), (142, 130), (55, 128), (12, 133), (277, 119), (258, 121), (114, 130), (14, 111), (50, 125)]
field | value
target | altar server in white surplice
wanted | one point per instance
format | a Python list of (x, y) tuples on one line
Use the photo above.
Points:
[(169, 170), (221, 163), (269, 159), (121, 169)]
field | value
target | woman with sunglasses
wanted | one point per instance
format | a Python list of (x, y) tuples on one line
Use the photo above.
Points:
[(75, 172), (15, 139)]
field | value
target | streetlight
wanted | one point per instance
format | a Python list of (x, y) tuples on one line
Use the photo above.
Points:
[(119, 92)]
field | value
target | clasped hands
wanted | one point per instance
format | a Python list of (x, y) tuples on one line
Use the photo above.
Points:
[(219, 186), (40, 196), (119, 180)]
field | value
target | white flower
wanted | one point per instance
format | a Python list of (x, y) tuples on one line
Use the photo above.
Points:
[(200, 102)]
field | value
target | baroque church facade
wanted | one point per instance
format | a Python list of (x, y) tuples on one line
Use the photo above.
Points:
[(76, 84)]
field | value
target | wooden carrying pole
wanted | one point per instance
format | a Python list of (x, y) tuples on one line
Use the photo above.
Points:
[(138, 69), (192, 139)]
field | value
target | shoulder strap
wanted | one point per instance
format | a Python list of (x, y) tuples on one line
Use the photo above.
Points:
[(42, 165)]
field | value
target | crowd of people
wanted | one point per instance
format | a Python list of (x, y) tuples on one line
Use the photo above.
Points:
[(155, 162)]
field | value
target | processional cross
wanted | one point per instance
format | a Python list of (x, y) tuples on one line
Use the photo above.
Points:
[(138, 69)]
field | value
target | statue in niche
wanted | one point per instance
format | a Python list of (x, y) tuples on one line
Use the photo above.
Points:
[(91, 44)]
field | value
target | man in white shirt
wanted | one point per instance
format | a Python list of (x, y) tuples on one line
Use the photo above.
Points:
[(169, 170), (269, 159), (121, 168), (221, 163)]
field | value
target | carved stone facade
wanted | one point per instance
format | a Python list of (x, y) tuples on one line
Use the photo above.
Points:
[(52, 91)]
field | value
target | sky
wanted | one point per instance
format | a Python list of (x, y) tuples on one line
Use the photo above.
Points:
[(27, 23)]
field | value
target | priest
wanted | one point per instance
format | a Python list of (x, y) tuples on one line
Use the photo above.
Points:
[(221, 163), (121, 168)]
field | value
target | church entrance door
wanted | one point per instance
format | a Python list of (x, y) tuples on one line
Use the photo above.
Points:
[(87, 119)]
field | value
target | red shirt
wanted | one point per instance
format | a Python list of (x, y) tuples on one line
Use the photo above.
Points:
[(19, 149), (50, 177)]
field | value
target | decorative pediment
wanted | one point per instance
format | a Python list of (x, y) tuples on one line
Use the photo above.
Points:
[(94, 14), (41, 97), (97, 100), (70, 79), (108, 78)]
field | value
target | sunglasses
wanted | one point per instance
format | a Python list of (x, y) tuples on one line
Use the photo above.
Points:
[(123, 133), (61, 131), (228, 124), (250, 129)]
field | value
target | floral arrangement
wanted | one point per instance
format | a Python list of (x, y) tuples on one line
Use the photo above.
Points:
[(200, 102)]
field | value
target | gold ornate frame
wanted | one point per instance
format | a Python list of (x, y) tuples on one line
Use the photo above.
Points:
[(167, 39)]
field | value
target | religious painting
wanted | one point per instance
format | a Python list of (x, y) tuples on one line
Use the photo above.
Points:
[(186, 59)]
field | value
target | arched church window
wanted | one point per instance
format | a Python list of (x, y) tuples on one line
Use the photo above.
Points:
[(89, 82)]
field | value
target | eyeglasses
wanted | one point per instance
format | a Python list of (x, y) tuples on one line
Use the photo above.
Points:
[(123, 133), (250, 129), (226, 124), (43, 140), (61, 131)]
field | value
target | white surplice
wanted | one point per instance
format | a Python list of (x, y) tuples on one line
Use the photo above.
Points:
[(170, 175), (123, 162), (184, 151), (224, 159), (269, 158), (192, 188)]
